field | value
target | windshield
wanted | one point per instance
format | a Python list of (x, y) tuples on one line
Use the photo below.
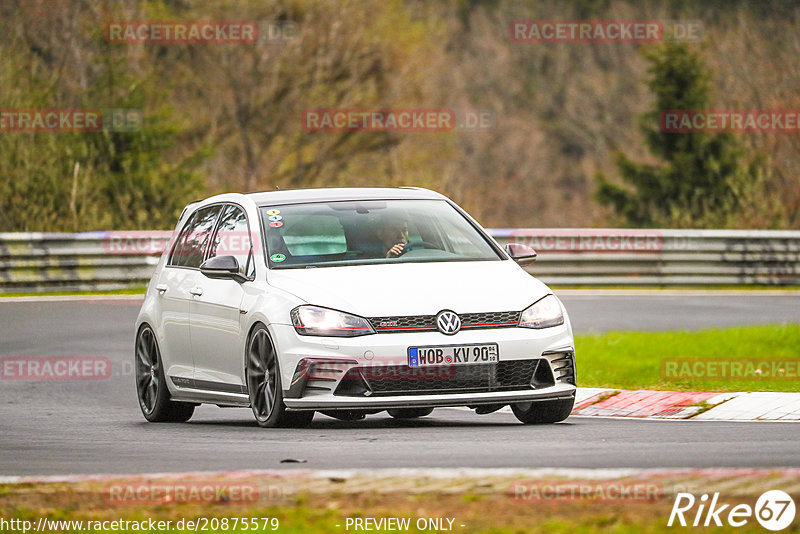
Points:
[(370, 231)]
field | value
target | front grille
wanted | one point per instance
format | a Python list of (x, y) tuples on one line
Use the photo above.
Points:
[(422, 323), (405, 380), (489, 320)]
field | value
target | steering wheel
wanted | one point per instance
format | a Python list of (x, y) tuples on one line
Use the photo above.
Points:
[(418, 244)]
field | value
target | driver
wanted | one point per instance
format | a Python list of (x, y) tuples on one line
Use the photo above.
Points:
[(393, 235)]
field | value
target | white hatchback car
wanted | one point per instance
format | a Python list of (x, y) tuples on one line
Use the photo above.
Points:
[(347, 302)]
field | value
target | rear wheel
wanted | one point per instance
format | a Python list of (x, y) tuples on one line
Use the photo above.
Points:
[(151, 385), (409, 413), (541, 412), (264, 385)]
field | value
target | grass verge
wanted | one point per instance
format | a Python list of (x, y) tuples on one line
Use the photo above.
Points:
[(474, 505), (692, 361)]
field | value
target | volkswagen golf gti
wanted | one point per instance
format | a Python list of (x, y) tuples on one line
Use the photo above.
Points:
[(348, 302)]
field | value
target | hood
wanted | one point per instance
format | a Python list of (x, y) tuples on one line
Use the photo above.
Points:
[(414, 288)]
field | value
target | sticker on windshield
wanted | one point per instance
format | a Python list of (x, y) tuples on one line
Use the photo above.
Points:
[(275, 217), (273, 212), (277, 258), (276, 224)]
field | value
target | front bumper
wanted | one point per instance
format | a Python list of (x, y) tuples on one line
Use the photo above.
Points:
[(318, 373), (321, 402)]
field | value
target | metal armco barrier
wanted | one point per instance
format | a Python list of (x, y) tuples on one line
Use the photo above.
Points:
[(626, 257), (32, 262), (589, 257)]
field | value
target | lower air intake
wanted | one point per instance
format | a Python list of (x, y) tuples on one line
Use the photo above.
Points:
[(405, 380)]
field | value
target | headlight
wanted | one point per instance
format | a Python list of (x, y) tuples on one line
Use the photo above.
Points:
[(544, 313), (318, 321)]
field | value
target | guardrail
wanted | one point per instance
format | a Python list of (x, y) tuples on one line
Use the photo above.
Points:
[(31, 262), (588, 257), (623, 257)]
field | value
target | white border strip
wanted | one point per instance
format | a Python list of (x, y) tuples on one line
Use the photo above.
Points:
[(602, 473)]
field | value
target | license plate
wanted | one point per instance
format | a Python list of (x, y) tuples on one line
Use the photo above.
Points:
[(452, 355)]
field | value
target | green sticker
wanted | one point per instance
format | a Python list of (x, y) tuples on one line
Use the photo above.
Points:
[(277, 258)]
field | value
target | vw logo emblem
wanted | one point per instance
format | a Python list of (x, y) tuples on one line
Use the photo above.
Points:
[(448, 322)]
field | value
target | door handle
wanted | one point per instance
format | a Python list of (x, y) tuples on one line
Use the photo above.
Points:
[(161, 288), (197, 291)]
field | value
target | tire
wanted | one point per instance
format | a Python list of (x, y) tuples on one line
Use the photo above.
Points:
[(263, 375), (542, 412), (409, 413), (151, 384)]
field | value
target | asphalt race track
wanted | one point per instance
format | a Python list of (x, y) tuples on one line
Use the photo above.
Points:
[(73, 427), (652, 312)]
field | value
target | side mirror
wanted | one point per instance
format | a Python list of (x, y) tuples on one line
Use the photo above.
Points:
[(222, 267), (522, 254)]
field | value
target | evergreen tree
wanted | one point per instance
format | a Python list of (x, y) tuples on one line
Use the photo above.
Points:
[(702, 180)]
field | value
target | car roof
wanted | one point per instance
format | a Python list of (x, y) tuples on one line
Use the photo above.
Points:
[(341, 193), (299, 196)]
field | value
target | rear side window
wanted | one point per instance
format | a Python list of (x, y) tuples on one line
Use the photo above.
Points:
[(194, 238)]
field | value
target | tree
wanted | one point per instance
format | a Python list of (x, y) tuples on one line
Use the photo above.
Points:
[(703, 179), (117, 178)]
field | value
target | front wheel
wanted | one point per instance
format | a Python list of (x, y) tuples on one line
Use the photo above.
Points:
[(151, 385), (264, 385), (541, 412)]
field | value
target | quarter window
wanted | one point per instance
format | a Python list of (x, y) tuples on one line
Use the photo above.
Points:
[(192, 242)]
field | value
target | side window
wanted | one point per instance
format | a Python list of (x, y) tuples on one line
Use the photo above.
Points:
[(193, 240), (233, 238)]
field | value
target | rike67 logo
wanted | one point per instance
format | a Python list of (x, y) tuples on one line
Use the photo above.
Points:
[(774, 510)]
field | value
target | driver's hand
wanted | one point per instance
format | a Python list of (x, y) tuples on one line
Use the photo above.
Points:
[(395, 250)]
